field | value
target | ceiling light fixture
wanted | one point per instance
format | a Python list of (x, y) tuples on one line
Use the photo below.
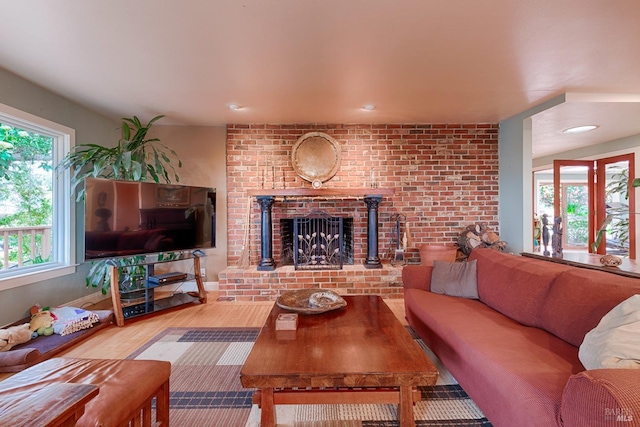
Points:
[(580, 129), (233, 107), (369, 107)]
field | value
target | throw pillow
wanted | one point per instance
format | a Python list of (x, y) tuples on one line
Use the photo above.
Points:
[(71, 319), (458, 279), (615, 342)]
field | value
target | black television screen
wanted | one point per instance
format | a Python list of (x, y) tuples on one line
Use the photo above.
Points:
[(125, 218)]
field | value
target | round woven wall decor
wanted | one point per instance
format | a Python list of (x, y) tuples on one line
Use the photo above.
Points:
[(316, 157)]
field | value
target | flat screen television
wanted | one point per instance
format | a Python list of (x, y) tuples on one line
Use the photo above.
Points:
[(124, 218)]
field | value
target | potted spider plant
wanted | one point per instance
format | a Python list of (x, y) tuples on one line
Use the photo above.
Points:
[(135, 158)]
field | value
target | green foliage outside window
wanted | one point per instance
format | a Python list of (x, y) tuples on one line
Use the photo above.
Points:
[(26, 165)]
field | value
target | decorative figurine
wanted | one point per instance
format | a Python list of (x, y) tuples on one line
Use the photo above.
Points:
[(556, 240), (545, 235)]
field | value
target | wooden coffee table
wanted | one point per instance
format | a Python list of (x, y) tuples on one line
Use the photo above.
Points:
[(358, 354)]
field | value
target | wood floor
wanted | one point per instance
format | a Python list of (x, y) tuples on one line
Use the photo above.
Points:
[(117, 343)]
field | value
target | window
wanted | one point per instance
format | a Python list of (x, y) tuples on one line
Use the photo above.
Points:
[(37, 238)]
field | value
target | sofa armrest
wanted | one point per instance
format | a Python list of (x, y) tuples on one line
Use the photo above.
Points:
[(417, 277), (600, 397)]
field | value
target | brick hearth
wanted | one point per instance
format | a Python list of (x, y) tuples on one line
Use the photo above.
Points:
[(252, 285)]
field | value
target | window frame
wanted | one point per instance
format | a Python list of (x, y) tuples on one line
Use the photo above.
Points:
[(64, 214)]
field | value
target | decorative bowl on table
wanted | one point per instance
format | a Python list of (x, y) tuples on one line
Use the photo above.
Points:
[(610, 260), (310, 301)]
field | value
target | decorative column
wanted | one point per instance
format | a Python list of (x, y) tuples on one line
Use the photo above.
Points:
[(373, 260), (266, 234)]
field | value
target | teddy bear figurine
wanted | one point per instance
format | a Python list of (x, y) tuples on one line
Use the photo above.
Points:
[(41, 322), (13, 336)]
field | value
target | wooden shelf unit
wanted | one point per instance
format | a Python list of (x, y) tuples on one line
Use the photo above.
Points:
[(149, 304)]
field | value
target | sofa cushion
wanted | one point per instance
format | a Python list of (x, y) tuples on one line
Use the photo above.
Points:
[(513, 285), (615, 342), (417, 276), (494, 358), (579, 298), (458, 279)]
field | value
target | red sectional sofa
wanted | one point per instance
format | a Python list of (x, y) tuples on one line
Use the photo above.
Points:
[(515, 350)]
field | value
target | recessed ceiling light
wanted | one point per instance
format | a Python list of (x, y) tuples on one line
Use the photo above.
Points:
[(580, 129), (233, 107), (369, 107)]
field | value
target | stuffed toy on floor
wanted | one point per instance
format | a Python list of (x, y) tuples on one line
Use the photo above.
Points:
[(41, 321), (13, 336)]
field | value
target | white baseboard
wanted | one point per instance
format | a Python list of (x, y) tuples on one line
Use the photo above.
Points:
[(88, 300), (191, 286)]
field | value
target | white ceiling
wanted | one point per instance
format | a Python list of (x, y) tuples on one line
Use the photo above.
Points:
[(310, 61)]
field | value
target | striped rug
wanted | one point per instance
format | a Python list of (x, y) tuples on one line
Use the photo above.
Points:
[(206, 390)]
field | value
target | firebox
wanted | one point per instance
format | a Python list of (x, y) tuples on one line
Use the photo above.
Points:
[(317, 241)]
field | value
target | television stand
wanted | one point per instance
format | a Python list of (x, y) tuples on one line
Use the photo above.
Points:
[(143, 301)]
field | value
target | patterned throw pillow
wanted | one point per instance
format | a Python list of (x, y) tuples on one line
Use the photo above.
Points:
[(71, 319)]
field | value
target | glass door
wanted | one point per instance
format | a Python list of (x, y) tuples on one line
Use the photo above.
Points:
[(543, 209), (573, 187), (593, 200), (575, 211), (615, 223)]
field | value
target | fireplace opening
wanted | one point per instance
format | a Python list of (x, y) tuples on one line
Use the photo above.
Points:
[(317, 241)]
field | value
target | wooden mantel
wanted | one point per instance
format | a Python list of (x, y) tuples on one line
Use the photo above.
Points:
[(323, 192)]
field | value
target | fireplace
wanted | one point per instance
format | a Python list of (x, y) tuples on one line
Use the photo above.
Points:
[(267, 198), (317, 241)]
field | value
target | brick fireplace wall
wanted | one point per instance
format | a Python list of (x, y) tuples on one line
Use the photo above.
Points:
[(445, 177)]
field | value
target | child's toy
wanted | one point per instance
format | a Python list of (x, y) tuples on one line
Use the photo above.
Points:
[(41, 321), (13, 336)]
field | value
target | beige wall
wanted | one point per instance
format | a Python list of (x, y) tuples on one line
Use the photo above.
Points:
[(202, 151)]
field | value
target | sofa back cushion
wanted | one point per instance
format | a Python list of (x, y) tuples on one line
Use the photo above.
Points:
[(514, 285), (579, 298)]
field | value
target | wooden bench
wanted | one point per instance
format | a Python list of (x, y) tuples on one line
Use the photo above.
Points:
[(127, 389)]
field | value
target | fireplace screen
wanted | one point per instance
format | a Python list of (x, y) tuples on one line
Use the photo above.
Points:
[(318, 242)]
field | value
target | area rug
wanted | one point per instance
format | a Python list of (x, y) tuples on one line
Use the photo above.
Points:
[(206, 390)]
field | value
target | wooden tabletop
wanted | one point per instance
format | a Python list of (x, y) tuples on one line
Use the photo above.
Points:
[(360, 345)]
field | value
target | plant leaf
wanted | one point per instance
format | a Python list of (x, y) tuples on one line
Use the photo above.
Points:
[(600, 234), (126, 131), (155, 119)]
